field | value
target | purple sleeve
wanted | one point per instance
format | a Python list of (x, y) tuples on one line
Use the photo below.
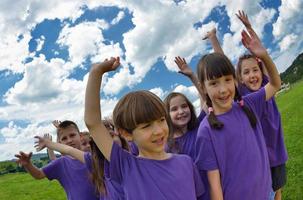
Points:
[(199, 186), (205, 154), (53, 169), (88, 160), (256, 101), (120, 161), (201, 116)]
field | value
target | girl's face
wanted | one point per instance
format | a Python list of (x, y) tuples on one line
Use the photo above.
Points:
[(151, 138), (179, 111), (221, 92), (85, 146), (251, 74)]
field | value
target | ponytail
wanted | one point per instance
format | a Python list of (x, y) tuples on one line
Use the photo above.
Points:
[(249, 113), (212, 119)]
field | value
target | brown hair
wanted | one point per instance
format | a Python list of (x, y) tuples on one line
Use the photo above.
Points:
[(66, 124), (213, 66), (136, 108), (191, 124)]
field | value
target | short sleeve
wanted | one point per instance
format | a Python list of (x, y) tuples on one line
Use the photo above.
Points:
[(205, 152), (53, 169), (120, 163), (199, 186), (256, 101)]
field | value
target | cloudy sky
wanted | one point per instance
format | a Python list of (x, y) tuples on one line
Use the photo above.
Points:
[(46, 48)]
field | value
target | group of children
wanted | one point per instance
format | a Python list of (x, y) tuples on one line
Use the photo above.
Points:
[(154, 149)]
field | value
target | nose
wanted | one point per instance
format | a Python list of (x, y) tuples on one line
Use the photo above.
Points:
[(157, 129), (222, 88)]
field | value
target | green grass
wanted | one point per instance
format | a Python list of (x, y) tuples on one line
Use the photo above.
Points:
[(21, 186), (291, 109)]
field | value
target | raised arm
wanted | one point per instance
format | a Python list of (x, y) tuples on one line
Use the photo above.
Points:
[(50, 152), (211, 35), (43, 142), (24, 160), (242, 16), (92, 113), (251, 41), (186, 71)]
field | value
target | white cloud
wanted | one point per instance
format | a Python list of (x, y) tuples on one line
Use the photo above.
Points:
[(120, 16), (159, 92), (40, 42), (287, 41)]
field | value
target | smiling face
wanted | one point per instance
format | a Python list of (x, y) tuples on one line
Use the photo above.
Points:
[(69, 136), (151, 138), (251, 74), (179, 112), (221, 92)]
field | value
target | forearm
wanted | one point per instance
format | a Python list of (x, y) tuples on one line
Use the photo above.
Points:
[(194, 79), (274, 77), (67, 150), (34, 171), (215, 188), (92, 114), (51, 154), (216, 45)]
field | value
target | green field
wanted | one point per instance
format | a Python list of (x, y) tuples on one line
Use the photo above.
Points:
[(21, 186), (291, 108)]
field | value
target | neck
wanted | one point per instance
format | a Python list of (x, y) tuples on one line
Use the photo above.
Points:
[(155, 155), (180, 131)]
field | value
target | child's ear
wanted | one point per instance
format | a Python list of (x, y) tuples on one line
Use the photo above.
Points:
[(125, 134)]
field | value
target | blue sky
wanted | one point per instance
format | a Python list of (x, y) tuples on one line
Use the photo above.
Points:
[(47, 47)]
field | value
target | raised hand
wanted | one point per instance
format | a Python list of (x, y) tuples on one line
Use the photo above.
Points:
[(41, 142), (107, 65), (23, 158), (251, 41), (244, 19), (210, 34), (56, 123), (183, 66)]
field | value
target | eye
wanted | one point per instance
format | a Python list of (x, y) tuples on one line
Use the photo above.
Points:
[(162, 119), (173, 109), (184, 105), (144, 126)]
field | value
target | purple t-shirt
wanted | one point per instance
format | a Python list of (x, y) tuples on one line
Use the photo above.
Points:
[(175, 178), (186, 142), (238, 151), (73, 176), (272, 128), (114, 190)]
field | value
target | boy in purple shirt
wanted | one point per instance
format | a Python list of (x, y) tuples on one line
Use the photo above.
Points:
[(140, 117), (72, 174)]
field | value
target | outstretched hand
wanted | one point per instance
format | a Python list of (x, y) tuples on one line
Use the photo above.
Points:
[(56, 123), (41, 142), (107, 65), (251, 41), (23, 158), (183, 66), (244, 19)]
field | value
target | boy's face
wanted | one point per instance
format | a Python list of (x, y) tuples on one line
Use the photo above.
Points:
[(70, 136)]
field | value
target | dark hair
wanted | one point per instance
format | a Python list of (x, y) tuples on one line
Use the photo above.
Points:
[(66, 124), (239, 65), (190, 126), (136, 108), (215, 65)]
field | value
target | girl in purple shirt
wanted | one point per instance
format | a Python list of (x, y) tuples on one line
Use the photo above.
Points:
[(182, 116), (140, 117), (230, 143)]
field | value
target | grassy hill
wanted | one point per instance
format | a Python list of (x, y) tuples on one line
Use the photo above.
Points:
[(294, 72), (290, 106), (21, 186)]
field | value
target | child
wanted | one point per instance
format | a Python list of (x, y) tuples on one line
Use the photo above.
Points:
[(85, 141), (230, 143), (251, 78), (94, 161), (182, 116), (72, 174), (139, 116)]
